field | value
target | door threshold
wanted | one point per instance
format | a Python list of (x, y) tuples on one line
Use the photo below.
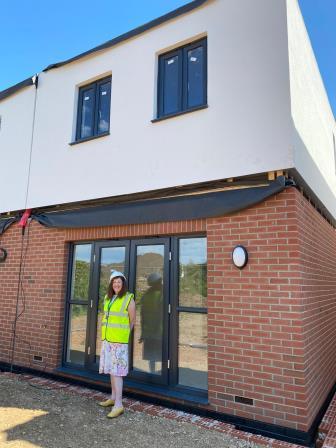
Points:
[(147, 392)]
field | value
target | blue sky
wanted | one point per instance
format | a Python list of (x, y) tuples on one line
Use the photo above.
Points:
[(36, 34)]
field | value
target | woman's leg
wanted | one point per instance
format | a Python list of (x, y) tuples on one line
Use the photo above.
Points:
[(112, 388), (117, 382)]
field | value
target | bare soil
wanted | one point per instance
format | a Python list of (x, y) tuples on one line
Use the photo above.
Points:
[(32, 417)]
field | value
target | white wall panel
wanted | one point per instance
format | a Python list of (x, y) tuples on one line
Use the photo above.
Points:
[(313, 119), (16, 114), (246, 129)]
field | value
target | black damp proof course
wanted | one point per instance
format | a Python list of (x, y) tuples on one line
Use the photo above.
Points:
[(157, 210), (7, 222), (163, 210)]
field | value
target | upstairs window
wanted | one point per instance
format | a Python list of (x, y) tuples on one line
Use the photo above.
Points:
[(93, 115), (182, 80)]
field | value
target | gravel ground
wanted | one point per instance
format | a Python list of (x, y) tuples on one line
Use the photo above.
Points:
[(32, 416)]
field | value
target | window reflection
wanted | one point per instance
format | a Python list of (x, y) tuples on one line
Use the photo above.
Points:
[(104, 107), (77, 334), (192, 350), (81, 272), (87, 114), (193, 272), (148, 331)]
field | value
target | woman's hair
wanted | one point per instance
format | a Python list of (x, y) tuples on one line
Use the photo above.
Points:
[(110, 291)]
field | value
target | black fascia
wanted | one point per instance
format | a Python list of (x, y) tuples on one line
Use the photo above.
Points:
[(135, 32), (11, 90)]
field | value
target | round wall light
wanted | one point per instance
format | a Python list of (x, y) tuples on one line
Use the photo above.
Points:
[(239, 257), (3, 254)]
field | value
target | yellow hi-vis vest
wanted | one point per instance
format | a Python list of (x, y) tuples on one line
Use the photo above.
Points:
[(115, 322)]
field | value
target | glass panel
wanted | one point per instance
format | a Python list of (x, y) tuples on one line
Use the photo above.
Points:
[(192, 350), (193, 272), (171, 97), (81, 272), (195, 77), (148, 332), (77, 334), (110, 258), (86, 129), (104, 107)]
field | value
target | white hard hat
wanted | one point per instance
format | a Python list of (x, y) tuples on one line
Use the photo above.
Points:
[(115, 274), (153, 278)]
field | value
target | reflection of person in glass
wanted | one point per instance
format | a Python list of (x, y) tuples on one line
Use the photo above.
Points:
[(117, 323), (151, 307)]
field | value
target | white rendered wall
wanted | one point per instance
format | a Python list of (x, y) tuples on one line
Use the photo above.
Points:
[(314, 123), (246, 129), (16, 114)]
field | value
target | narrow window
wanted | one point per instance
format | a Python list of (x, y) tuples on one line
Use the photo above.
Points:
[(182, 79), (195, 76), (171, 87), (94, 102), (77, 304), (87, 113), (104, 99), (192, 313)]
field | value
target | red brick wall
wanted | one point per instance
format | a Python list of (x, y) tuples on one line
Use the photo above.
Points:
[(271, 326), (318, 266), (255, 328), (40, 328)]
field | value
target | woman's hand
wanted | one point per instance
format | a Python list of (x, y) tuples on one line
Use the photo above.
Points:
[(132, 313)]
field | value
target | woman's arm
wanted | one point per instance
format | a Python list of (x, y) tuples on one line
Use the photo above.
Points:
[(131, 313)]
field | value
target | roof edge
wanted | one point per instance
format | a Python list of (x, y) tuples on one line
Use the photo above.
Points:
[(132, 33), (13, 89), (110, 43)]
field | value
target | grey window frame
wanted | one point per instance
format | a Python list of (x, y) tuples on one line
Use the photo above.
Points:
[(182, 53), (95, 86)]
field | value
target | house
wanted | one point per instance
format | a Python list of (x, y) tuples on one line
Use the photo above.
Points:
[(199, 140)]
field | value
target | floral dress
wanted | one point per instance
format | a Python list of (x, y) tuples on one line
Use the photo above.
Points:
[(114, 358)]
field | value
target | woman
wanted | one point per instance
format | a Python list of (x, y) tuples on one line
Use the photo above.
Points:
[(151, 318), (117, 324)]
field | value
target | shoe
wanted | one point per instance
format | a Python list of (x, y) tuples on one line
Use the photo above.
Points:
[(106, 403), (115, 412)]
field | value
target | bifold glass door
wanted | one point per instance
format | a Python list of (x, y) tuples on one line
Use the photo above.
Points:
[(168, 277), (149, 281), (107, 257)]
